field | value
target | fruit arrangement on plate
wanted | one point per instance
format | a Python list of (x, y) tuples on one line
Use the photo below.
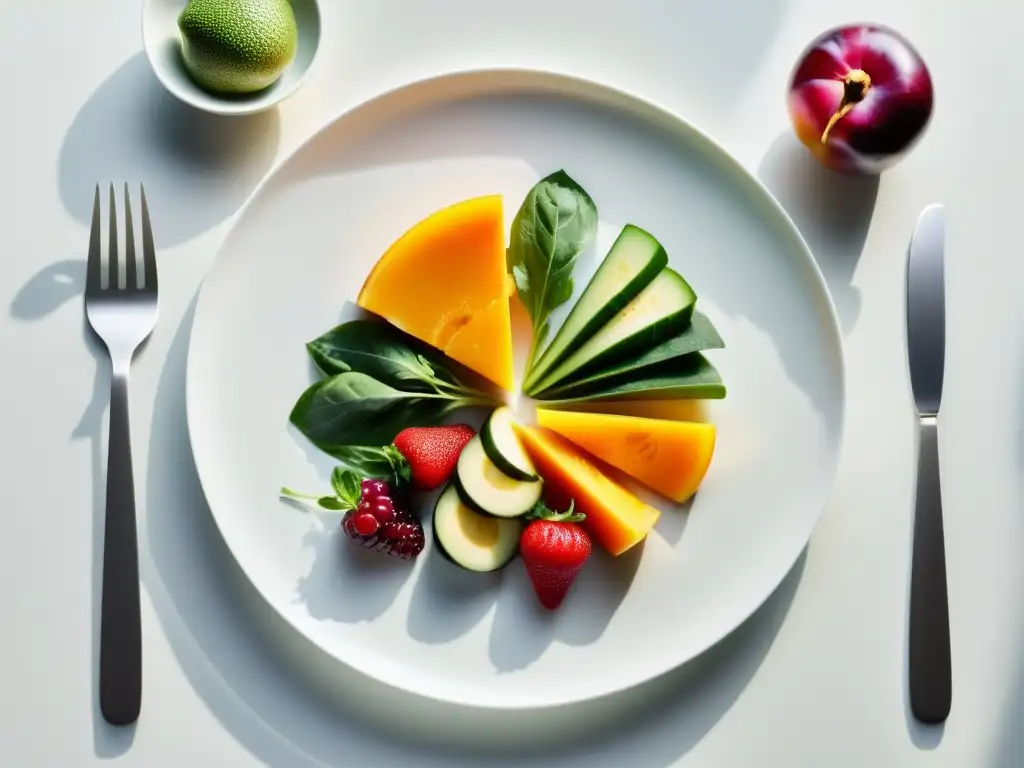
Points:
[(437, 339)]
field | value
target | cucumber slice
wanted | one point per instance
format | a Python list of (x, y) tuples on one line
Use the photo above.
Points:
[(660, 311), (698, 336), (471, 540), (503, 447), (633, 261), (486, 489)]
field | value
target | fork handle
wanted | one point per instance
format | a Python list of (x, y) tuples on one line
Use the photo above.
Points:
[(120, 678), (929, 652)]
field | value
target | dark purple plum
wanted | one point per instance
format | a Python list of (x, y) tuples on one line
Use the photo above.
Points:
[(860, 98)]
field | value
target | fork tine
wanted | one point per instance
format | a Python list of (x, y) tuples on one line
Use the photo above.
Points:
[(131, 279), (112, 281), (148, 249), (93, 267)]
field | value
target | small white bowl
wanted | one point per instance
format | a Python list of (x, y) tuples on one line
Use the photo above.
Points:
[(162, 41)]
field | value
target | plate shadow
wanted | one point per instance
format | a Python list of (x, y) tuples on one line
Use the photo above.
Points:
[(443, 589), (523, 629), (339, 566)]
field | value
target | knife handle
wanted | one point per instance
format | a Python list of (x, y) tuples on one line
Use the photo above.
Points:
[(930, 668)]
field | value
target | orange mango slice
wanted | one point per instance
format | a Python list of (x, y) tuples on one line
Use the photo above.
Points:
[(616, 518), (445, 282), (670, 457)]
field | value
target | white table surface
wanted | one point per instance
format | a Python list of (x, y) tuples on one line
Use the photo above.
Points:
[(816, 678)]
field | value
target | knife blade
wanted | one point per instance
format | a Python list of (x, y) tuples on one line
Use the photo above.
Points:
[(929, 663)]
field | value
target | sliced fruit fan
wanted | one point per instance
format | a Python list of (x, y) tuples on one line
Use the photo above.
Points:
[(439, 316)]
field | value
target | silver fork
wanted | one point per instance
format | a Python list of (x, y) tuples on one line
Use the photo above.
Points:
[(123, 317)]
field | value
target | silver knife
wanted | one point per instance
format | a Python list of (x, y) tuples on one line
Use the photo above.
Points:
[(929, 664)]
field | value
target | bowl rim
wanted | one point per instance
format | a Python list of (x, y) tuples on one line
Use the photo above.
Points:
[(213, 104)]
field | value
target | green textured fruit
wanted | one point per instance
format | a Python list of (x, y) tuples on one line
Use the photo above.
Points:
[(237, 46)]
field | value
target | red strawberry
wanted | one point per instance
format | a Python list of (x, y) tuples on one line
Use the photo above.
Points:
[(553, 549), (432, 452)]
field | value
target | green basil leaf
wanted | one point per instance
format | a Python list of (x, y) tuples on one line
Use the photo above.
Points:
[(331, 503), (347, 486), (366, 460), (355, 409), (378, 350), (555, 224)]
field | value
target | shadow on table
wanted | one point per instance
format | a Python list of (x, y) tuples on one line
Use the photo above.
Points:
[(832, 211), (719, 46), (44, 293), (290, 705), (198, 168), (1008, 739), (47, 291)]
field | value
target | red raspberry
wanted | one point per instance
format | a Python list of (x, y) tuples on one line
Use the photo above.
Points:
[(383, 510), (382, 522), (405, 538), (371, 490), (365, 524)]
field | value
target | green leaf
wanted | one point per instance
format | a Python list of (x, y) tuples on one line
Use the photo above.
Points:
[(542, 511), (331, 503), (690, 377), (368, 461), (381, 351), (425, 363), (347, 486), (355, 409), (700, 334), (555, 224)]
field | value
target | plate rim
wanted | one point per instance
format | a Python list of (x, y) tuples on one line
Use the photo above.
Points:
[(507, 79)]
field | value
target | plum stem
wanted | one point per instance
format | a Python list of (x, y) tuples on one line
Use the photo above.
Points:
[(855, 88)]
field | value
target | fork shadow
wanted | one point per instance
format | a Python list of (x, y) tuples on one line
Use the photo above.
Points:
[(48, 290), (44, 293)]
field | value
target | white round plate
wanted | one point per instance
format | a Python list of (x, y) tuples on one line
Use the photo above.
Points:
[(300, 251)]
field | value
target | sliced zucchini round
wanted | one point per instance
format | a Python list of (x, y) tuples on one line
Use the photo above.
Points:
[(470, 540), (486, 489), (503, 447)]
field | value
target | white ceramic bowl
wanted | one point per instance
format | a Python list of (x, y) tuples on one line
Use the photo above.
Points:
[(162, 40)]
